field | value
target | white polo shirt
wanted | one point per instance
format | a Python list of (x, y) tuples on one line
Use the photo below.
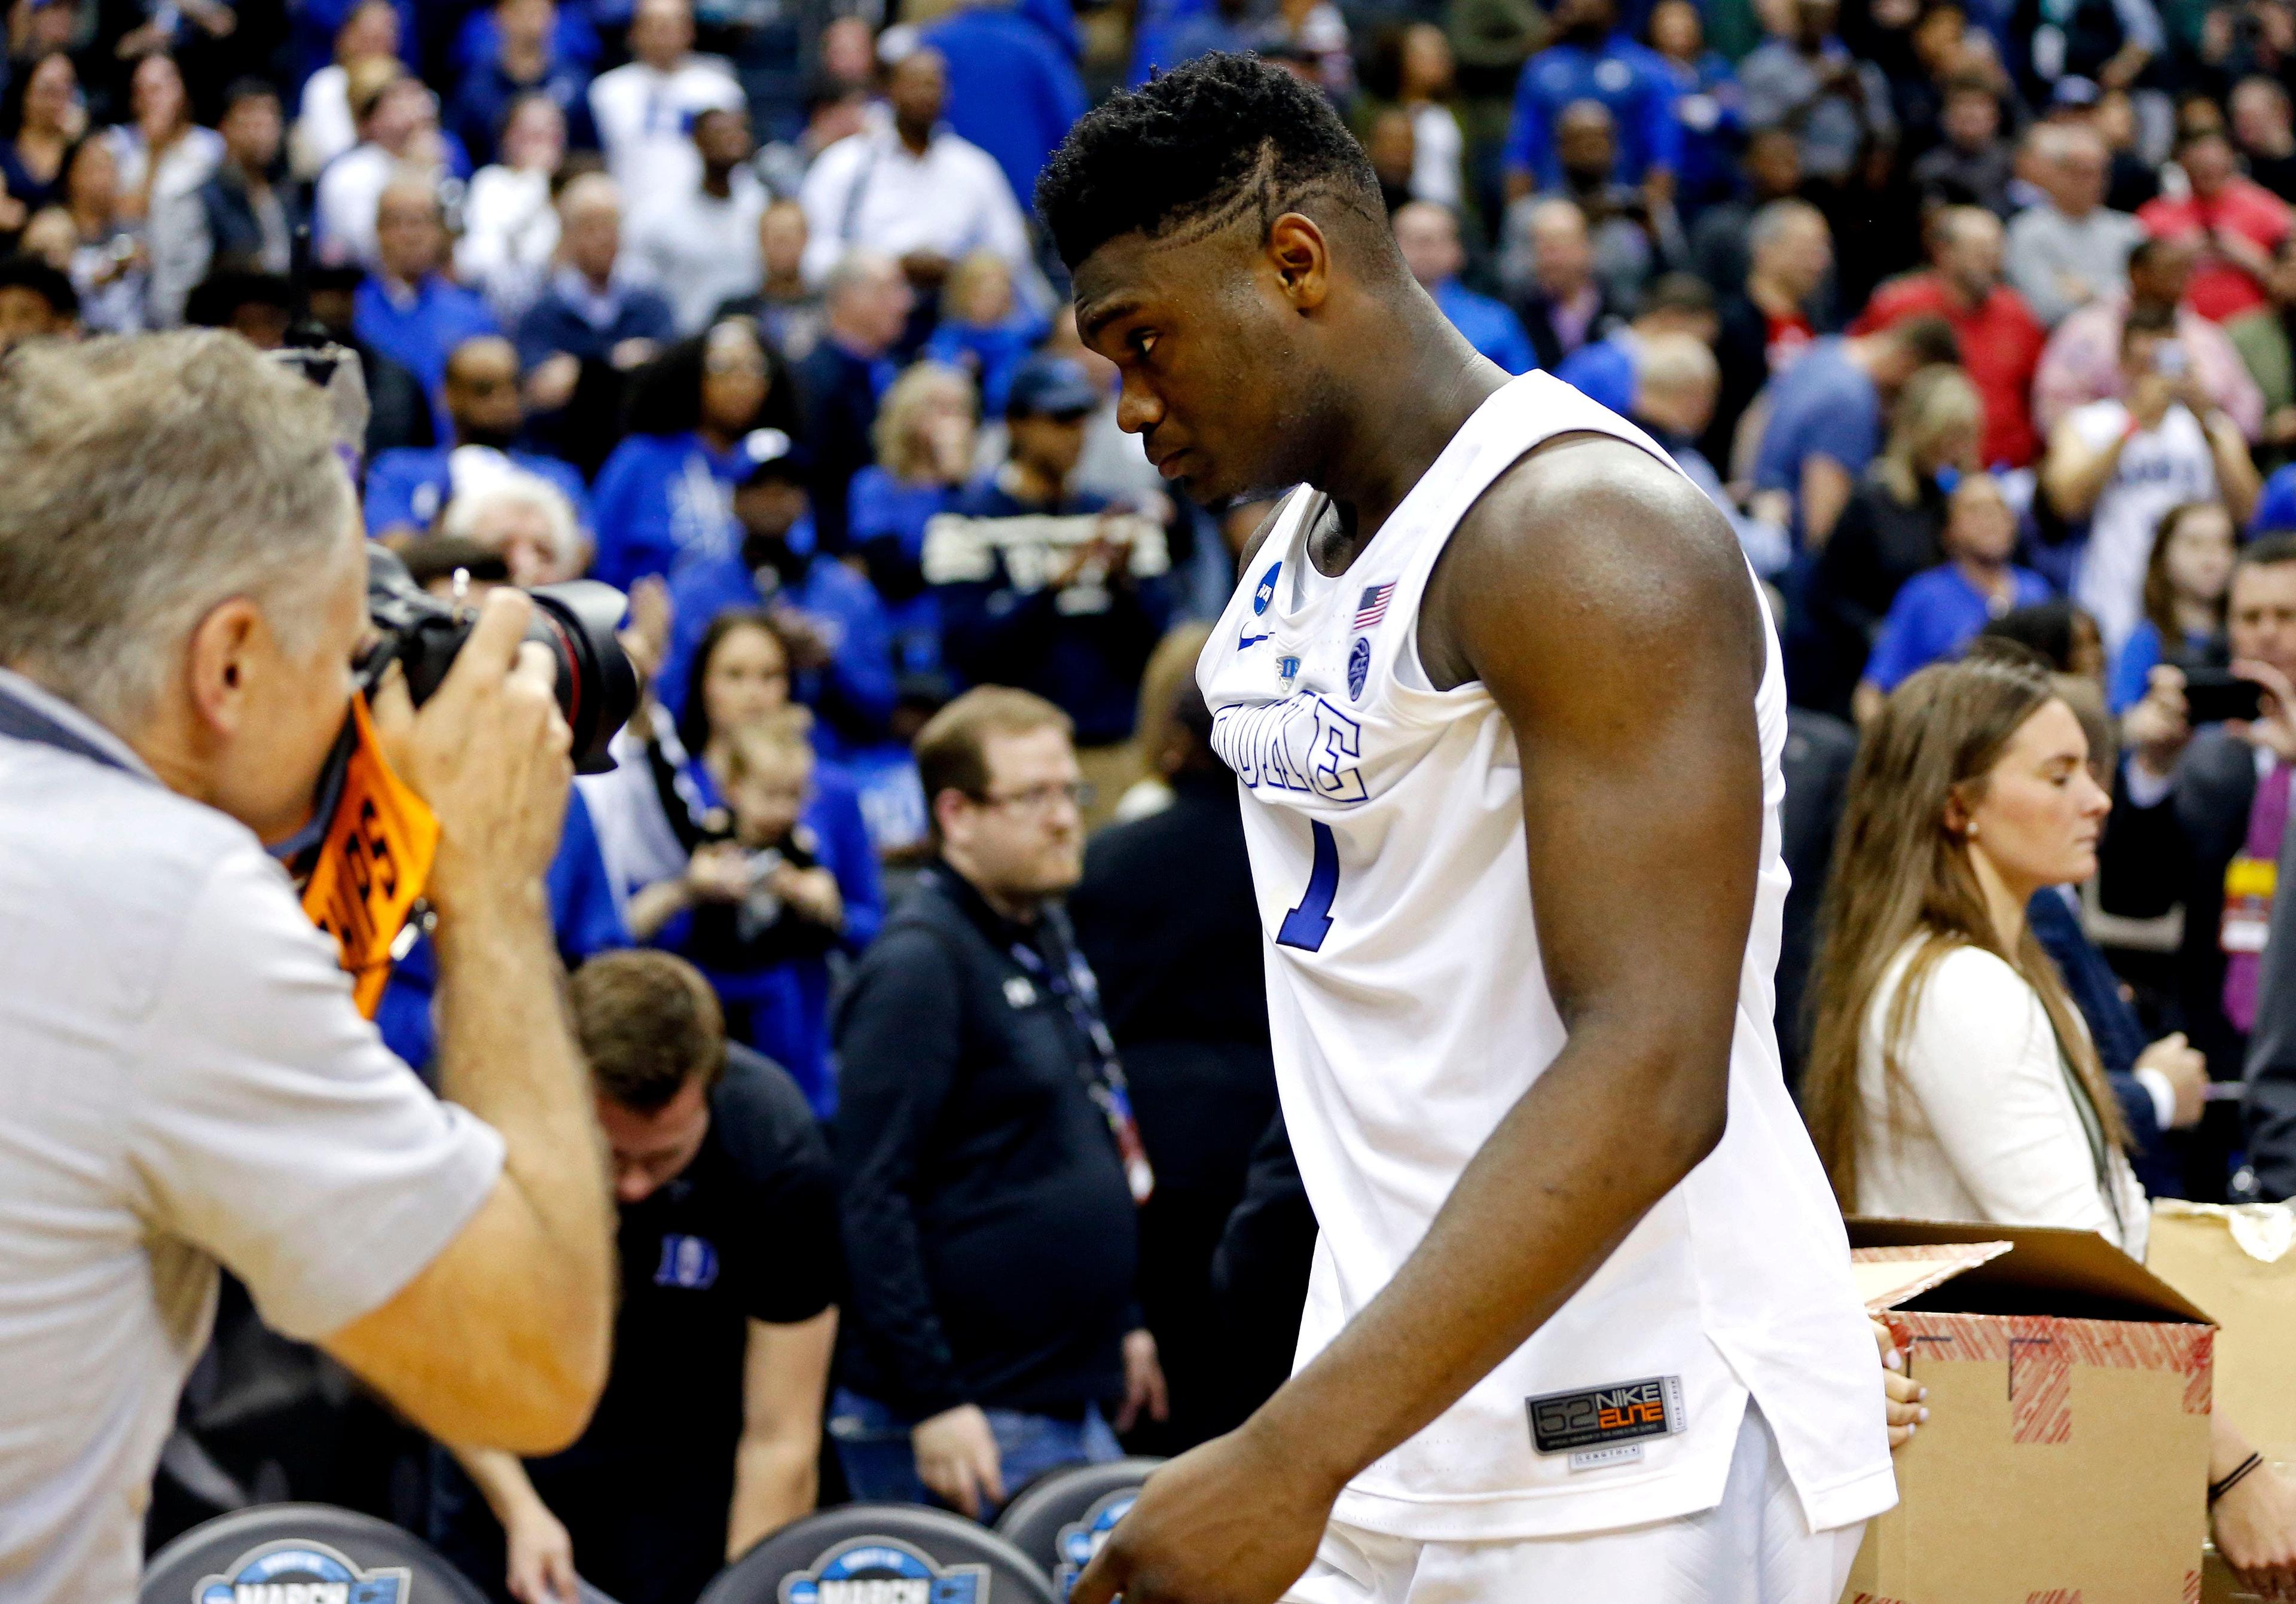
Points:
[(184, 1082)]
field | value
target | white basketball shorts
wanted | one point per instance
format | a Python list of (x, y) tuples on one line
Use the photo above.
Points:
[(1751, 1548)]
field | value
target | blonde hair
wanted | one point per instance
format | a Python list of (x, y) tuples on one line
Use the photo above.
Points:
[(1935, 400), (900, 452), (778, 738), (972, 277), (1900, 875)]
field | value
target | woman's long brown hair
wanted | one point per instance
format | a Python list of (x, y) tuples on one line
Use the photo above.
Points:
[(1899, 873)]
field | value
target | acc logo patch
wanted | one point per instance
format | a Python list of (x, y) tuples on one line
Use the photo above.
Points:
[(293, 1571), (1080, 1540), (1358, 666), (883, 1570), (1266, 593)]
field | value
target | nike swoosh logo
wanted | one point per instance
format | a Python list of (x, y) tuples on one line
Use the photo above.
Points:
[(1245, 642)]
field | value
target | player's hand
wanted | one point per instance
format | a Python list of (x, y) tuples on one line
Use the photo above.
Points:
[(2255, 1528), (541, 1557), (957, 1457), (1236, 1521), (1143, 1382), (1901, 1394)]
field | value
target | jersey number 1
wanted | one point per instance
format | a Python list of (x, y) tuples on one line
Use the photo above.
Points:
[(1306, 926)]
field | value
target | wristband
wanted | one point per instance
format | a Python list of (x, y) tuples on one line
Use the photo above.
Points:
[(2239, 1473)]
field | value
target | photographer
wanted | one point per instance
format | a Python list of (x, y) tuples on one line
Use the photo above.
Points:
[(182, 590)]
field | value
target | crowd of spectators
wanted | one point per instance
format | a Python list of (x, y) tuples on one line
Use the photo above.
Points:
[(1973, 316)]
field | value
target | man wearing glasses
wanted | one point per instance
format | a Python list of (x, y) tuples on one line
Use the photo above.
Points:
[(989, 1163)]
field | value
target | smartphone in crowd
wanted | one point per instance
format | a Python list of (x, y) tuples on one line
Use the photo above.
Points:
[(2214, 695)]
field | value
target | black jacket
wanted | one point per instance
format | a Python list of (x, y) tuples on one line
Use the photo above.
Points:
[(838, 392), (990, 1230)]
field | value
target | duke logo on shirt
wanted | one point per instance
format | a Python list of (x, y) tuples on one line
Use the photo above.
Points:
[(687, 1261)]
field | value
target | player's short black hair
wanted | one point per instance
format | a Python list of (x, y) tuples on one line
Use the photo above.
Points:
[(1198, 146)]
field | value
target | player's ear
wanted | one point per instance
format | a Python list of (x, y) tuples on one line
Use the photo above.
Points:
[(1302, 259)]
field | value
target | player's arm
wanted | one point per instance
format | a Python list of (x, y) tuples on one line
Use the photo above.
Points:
[(776, 1466), (538, 1555), (1606, 607)]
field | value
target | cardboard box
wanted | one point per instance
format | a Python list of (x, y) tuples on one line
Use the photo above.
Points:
[(2240, 1265), (2066, 1454)]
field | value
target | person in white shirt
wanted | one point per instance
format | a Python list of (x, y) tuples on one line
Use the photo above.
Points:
[(912, 190), (189, 1081), (700, 244), (324, 126), (1949, 1075), (644, 109), (509, 225), (2121, 464), (399, 128)]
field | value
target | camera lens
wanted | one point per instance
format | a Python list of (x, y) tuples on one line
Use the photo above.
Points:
[(597, 687)]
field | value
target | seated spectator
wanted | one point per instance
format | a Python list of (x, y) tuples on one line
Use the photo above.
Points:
[(2069, 248), (1825, 422), (644, 109), (1892, 530), (108, 261), (1768, 169), (924, 436), (756, 910), (1412, 70), (1971, 166), (1938, 612), (398, 408), (2082, 363), (865, 307), (2101, 45), (785, 308), (986, 1147), (2186, 582), (709, 1433), (700, 244), (325, 124), (591, 310), (834, 110), (1635, 232), (243, 219), (1428, 235), (398, 130), (163, 154), (664, 498), (912, 190), (259, 307), (2123, 465), (1707, 106), (525, 520), (1013, 89), (1675, 380), (2237, 224), (1562, 306), (36, 302), (984, 332), (41, 118), (1074, 621), (2260, 129), (2263, 340), (827, 614), (407, 488), (1606, 370), (2000, 338), (1972, 794), (1806, 80), (1766, 325), (1592, 58), (408, 309), (509, 224), (524, 63)]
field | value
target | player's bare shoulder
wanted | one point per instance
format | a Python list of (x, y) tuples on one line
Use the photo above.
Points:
[(1588, 533)]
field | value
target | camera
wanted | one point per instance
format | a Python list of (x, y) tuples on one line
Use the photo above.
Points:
[(575, 622)]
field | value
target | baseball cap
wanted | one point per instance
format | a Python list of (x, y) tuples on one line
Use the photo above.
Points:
[(1051, 387), (769, 454)]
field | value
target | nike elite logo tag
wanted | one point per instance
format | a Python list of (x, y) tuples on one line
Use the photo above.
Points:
[(1605, 1426)]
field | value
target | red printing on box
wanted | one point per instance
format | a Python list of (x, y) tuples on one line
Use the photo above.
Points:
[(2041, 1350)]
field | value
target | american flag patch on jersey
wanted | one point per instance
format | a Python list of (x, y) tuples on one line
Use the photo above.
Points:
[(1372, 607)]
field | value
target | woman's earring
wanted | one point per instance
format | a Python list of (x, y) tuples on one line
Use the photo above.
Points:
[(1971, 833)]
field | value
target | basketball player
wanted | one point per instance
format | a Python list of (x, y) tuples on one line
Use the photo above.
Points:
[(1507, 712)]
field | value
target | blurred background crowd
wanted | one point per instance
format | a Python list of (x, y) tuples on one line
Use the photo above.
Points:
[(914, 945)]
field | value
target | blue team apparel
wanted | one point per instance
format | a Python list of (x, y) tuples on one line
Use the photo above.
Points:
[(1936, 615), (1632, 81), (409, 485), (661, 499), (1490, 326), (1603, 370)]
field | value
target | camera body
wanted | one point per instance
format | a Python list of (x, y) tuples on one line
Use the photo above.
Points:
[(575, 622)]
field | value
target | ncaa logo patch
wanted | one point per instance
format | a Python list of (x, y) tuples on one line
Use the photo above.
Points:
[(883, 1570), (1080, 1540), (295, 1571), (1358, 666), (1266, 593)]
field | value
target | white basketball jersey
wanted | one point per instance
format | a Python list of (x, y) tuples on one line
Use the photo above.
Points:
[(1409, 1012)]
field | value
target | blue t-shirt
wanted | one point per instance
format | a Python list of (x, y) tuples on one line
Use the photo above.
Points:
[(1631, 80), (660, 499), (2276, 506), (420, 335), (990, 354), (1711, 114), (1603, 370), (408, 485), (1825, 407), (1937, 614), (1489, 326), (1012, 89)]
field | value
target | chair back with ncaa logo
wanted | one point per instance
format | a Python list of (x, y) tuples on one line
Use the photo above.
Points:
[(844, 1556), (1061, 1519), (302, 1554)]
